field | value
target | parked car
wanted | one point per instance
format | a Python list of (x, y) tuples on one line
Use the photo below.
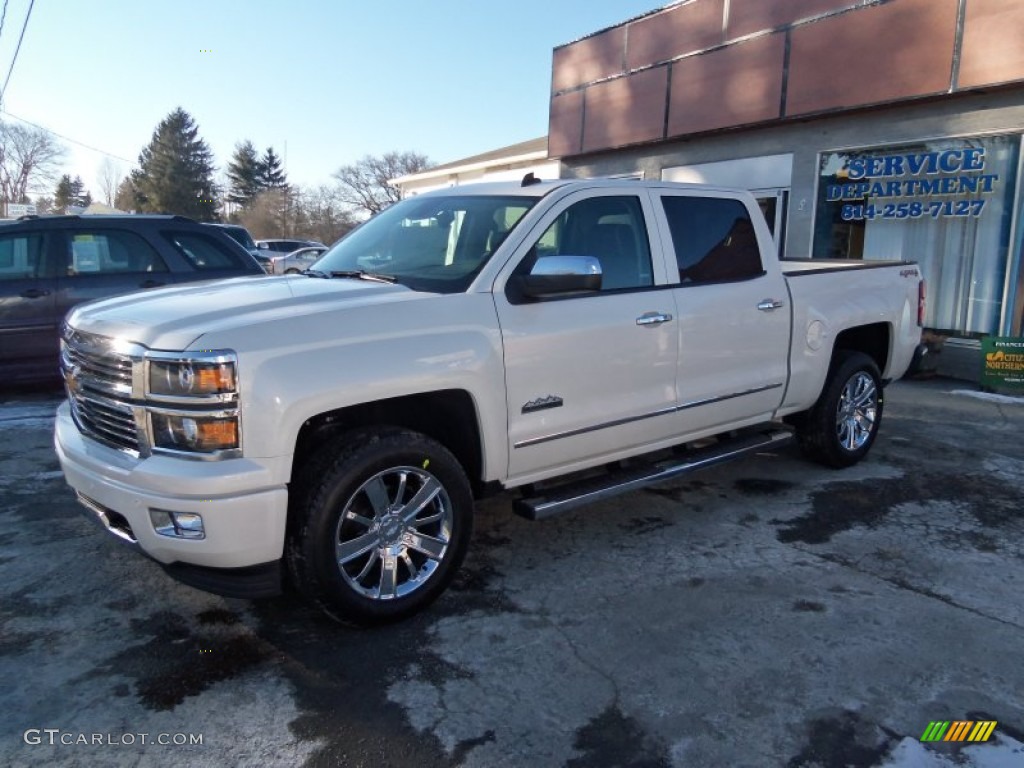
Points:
[(286, 246), (269, 250), (296, 261), (464, 341), (50, 264)]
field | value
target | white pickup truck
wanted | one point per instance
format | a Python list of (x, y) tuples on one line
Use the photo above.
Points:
[(567, 339)]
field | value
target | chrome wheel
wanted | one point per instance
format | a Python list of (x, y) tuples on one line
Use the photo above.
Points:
[(857, 411), (393, 533)]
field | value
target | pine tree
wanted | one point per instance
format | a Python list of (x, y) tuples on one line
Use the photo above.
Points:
[(175, 173), (244, 173), (80, 196), (271, 175), (63, 194)]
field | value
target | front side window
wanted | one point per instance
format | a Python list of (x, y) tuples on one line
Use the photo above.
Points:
[(21, 256), (110, 252), (203, 252), (429, 243), (714, 239), (612, 230)]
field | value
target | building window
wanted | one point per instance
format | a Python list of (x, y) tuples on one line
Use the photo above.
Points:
[(946, 204)]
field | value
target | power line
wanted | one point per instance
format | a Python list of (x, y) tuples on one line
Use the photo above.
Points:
[(4, 16), (66, 138), (20, 38)]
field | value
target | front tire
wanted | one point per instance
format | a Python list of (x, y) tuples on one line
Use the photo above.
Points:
[(841, 427), (380, 524)]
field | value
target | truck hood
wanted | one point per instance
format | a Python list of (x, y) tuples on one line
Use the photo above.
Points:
[(174, 318)]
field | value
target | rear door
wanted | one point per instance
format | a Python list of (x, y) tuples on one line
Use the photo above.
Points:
[(28, 318), (589, 375), (734, 313)]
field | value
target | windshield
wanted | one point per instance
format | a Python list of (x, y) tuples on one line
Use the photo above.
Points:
[(429, 244)]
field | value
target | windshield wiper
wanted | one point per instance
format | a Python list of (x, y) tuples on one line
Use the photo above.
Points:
[(361, 274), (315, 273)]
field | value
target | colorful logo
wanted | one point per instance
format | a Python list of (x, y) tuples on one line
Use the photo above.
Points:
[(959, 730)]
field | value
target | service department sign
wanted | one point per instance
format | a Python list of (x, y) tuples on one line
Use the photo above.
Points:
[(1003, 363)]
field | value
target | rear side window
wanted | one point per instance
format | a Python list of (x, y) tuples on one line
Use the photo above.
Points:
[(204, 252), (21, 256), (104, 252), (714, 239)]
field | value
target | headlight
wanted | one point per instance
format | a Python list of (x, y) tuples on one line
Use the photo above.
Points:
[(191, 378), (195, 432)]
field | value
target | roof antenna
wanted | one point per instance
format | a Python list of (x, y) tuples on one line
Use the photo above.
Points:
[(529, 180)]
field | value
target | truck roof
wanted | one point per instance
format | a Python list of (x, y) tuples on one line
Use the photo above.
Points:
[(539, 188)]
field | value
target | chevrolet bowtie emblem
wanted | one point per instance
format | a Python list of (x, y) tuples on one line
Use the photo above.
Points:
[(71, 379)]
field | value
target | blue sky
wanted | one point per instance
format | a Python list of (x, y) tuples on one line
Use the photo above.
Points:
[(322, 81)]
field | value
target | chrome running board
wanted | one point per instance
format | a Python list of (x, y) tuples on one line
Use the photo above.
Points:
[(575, 494)]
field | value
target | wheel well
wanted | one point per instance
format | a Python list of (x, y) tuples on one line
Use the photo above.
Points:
[(872, 340), (447, 416)]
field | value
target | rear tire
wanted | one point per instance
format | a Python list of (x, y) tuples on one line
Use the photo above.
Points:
[(839, 430), (379, 525)]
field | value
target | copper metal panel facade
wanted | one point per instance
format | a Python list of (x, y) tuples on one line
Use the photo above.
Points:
[(565, 125), (732, 86), (626, 111), (749, 16), (590, 59), (882, 53), (993, 44), (683, 29)]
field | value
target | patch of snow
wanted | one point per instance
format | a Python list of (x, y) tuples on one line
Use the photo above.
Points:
[(1000, 751), (991, 397), (27, 416)]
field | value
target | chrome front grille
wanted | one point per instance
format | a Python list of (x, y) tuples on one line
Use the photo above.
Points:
[(107, 420), (105, 373), (99, 381)]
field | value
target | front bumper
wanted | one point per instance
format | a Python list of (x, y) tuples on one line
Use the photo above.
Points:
[(243, 509)]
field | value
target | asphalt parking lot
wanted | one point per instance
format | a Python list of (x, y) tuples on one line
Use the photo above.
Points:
[(763, 613)]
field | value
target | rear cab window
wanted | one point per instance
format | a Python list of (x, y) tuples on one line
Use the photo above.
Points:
[(714, 239)]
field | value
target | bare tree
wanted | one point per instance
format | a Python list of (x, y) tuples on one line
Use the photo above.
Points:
[(264, 217), (321, 214), (109, 175), (366, 184), (30, 159)]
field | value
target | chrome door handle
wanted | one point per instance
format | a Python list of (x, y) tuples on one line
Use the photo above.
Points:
[(770, 305), (653, 318)]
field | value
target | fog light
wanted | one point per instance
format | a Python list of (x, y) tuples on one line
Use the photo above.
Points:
[(178, 525)]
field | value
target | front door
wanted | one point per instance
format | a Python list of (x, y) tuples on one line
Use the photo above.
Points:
[(593, 374)]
